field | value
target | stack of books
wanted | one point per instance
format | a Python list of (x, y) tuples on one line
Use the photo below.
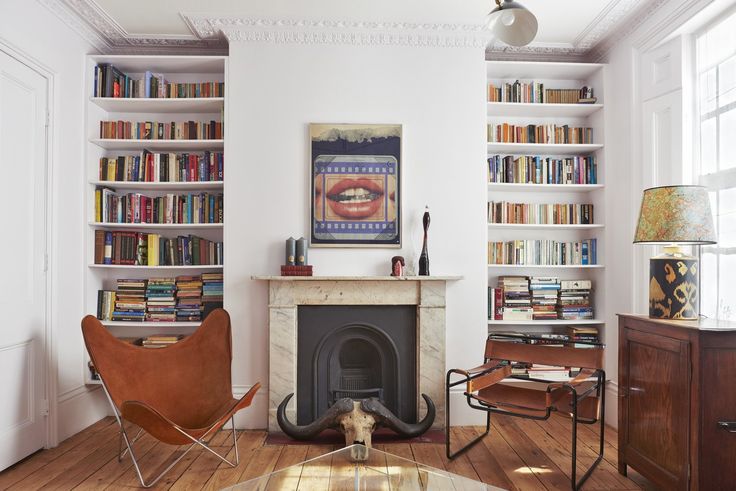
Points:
[(574, 301), (161, 340), (544, 292), (582, 335), (211, 292), (516, 298), (160, 300), (188, 298), (130, 300)]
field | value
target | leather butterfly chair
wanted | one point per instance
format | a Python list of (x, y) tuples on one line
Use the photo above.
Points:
[(180, 394), (582, 398)]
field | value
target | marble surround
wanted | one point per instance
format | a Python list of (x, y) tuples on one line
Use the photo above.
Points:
[(285, 294)]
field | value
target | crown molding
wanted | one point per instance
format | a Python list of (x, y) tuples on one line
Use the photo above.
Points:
[(75, 22), (300, 31)]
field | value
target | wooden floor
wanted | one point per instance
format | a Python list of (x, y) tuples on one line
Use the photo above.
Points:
[(518, 454)]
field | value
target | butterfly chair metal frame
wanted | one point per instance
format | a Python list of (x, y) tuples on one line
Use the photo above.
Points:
[(180, 395), (583, 393)]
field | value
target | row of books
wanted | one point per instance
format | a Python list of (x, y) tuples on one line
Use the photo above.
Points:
[(543, 252), (163, 167), (539, 298), (111, 207), (542, 170), (154, 130), (534, 92), (537, 213), (543, 133), (111, 82), (144, 249), (575, 336), (180, 299)]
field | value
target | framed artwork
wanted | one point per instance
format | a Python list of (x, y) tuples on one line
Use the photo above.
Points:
[(355, 185)]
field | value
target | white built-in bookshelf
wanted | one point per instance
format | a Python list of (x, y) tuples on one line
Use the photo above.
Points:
[(189, 69), (553, 76)]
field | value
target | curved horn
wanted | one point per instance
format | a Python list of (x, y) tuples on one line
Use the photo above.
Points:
[(374, 406), (314, 428)]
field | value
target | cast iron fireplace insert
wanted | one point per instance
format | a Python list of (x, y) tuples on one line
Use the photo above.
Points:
[(357, 352)]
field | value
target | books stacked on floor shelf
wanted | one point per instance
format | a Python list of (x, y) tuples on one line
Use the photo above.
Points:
[(130, 300), (516, 298), (544, 292), (574, 301), (188, 298), (161, 340), (583, 336), (160, 300), (212, 289), (163, 167)]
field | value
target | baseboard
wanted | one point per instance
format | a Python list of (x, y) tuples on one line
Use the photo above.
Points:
[(254, 417), (612, 404), (78, 411)]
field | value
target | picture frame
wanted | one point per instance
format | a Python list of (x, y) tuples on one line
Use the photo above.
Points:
[(355, 185)]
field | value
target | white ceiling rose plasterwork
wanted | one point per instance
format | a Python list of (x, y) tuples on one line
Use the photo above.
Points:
[(210, 32)]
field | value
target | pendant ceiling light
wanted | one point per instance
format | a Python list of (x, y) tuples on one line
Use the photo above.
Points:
[(512, 23)]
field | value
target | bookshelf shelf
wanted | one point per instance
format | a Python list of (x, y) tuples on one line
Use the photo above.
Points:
[(557, 322), (552, 76), (159, 226), (115, 144), (544, 188), (149, 324), (173, 236), (175, 268), (536, 110), (537, 226), (162, 186), (546, 266), (199, 105), (543, 148)]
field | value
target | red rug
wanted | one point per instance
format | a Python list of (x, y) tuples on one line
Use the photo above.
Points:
[(333, 437)]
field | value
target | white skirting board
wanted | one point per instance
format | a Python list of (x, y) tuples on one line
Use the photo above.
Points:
[(80, 411)]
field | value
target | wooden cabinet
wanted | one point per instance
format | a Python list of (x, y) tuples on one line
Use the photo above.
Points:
[(677, 392)]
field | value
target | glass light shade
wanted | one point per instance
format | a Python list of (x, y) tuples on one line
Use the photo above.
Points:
[(675, 215), (512, 23)]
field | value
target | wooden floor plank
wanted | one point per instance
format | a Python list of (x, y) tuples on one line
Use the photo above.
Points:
[(34, 462), (224, 476), (519, 454), (68, 460)]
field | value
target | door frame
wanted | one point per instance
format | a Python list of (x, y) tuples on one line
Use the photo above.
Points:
[(51, 361)]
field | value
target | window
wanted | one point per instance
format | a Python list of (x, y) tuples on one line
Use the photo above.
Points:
[(716, 167)]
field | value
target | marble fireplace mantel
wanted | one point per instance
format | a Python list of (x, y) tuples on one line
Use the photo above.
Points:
[(287, 293)]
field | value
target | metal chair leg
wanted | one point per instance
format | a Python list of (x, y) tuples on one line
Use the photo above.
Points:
[(450, 454), (578, 484)]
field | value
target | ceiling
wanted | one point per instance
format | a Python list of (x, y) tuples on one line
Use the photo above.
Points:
[(571, 27)]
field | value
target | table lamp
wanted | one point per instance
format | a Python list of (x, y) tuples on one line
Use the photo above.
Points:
[(674, 216)]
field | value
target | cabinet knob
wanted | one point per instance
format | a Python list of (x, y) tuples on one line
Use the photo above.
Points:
[(729, 426)]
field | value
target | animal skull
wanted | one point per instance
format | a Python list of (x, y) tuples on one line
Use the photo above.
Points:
[(356, 420)]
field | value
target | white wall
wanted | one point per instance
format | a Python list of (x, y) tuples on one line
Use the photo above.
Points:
[(33, 30), (274, 91)]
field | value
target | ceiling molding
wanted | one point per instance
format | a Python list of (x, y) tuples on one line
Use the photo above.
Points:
[(289, 31), (617, 20)]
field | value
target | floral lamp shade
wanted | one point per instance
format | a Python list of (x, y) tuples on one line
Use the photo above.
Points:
[(675, 215)]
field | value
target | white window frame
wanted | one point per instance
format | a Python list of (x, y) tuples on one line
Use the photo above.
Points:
[(720, 179)]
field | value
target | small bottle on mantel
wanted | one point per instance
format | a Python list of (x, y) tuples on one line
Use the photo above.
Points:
[(290, 256), (424, 257)]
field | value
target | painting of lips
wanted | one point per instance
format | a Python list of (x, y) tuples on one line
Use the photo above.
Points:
[(356, 185)]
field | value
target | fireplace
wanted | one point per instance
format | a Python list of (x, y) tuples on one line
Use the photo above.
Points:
[(420, 298), (356, 351)]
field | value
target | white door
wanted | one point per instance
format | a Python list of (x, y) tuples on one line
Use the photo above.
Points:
[(23, 107)]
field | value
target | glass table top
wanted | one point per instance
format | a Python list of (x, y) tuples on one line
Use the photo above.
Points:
[(360, 468)]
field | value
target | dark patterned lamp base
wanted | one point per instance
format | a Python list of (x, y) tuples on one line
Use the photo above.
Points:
[(673, 287)]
